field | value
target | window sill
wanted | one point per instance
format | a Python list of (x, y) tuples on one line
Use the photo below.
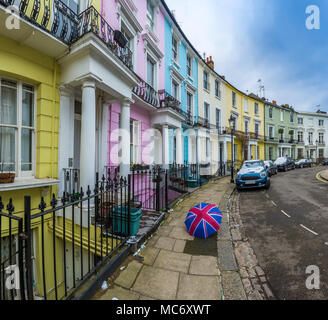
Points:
[(28, 183), (206, 90)]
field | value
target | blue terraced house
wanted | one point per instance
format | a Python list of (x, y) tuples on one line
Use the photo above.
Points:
[(181, 86)]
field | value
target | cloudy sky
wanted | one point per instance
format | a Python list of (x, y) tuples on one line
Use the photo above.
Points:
[(262, 39)]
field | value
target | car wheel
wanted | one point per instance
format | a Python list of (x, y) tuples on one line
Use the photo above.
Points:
[(267, 185), (302, 166), (285, 169)]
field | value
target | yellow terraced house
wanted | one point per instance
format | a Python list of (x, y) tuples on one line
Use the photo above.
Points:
[(211, 114), (51, 250), (247, 112)]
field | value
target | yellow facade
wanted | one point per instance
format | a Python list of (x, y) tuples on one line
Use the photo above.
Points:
[(18, 62), (244, 111), (21, 63)]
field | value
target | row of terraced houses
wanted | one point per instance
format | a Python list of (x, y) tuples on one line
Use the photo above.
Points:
[(107, 86)]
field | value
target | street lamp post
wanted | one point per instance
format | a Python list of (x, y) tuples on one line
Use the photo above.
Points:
[(231, 123)]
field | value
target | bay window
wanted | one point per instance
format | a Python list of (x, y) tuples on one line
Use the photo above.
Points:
[(17, 127)]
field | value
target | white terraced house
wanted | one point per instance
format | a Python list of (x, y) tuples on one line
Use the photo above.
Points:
[(312, 135)]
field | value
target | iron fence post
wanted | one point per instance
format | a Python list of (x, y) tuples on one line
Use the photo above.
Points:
[(28, 247), (21, 259), (166, 192)]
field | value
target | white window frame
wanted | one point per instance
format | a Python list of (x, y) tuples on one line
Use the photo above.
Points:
[(218, 82), (188, 92), (18, 128), (300, 133), (234, 99), (271, 114), (300, 121), (321, 123), (174, 80), (175, 52), (151, 18), (191, 66), (256, 109), (282, 115), (246, 105), (207, 81)]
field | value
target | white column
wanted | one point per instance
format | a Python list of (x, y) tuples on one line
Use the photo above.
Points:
[(179, 146), (104, 137), (88, 135), (125, 138), (165, 146), (198, 144), (66, 134)]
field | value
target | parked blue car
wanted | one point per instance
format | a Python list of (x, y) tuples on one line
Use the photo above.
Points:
[(253, 174)]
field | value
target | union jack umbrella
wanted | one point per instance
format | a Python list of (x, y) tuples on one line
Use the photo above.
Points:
[(203, 220)]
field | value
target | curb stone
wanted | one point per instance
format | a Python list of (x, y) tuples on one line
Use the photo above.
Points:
[(253, 276)]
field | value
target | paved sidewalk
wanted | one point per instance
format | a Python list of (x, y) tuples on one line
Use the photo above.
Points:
[(175, 266), (324, 175)]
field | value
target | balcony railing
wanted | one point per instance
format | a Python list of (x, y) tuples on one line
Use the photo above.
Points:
[(167, 101), (202, 122), (147, 93), (92, 21), (67, 26)]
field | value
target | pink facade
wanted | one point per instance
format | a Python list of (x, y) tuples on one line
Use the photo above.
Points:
[(114, 13)]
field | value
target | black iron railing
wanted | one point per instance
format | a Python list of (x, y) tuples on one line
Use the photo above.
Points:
[(71, 181), (75, 236), (167, 101), (92, 21), (202, 122), (147, 93), (63, 23)]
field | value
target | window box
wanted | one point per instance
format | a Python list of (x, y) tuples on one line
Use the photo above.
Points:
[(7, 178)]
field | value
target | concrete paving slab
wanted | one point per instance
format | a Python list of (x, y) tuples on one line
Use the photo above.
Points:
[(128, 276), (173, 261), (149, 254), (192, 287), (179, 246), (181, 233), (165, 243), (157, 283), (202, 265)]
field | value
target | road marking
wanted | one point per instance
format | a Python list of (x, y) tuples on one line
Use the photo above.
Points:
[(273, 203), (285, 214), (316, 234)]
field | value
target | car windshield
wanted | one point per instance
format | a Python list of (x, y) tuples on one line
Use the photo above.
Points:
[(280, 160), (267, 163), (253, 164)]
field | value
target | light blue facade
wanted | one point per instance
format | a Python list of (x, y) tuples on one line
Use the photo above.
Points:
[(181, 68)]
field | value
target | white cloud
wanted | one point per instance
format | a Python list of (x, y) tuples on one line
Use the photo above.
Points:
[(226, 30)]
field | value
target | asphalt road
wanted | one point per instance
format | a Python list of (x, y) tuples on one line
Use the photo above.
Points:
[(288, 229)]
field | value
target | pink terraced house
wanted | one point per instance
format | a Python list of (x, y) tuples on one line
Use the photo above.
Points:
[(112, 82), (142, 24)]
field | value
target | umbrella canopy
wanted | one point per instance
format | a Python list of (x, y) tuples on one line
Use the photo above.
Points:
[(203, 220)]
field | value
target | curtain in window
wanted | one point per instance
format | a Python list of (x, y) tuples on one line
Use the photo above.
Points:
[(7, 154), (8, 113)]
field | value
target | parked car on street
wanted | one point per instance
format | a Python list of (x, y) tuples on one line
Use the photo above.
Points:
[(325, 163), (253, 174), (285, 164), (271, 167), (304, 163)]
